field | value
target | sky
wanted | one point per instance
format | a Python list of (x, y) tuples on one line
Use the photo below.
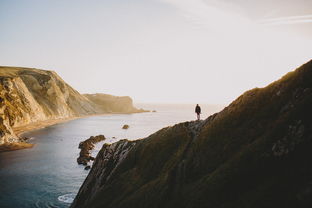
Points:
[(164, 51)]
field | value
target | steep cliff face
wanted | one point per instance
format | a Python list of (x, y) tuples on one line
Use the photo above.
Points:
[(109, 157), (254, 153), (110, 103), (32, 95)]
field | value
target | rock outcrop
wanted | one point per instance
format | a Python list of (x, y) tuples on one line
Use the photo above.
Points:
[(254, 153), (86, 147), (106, 163), (33, 95)]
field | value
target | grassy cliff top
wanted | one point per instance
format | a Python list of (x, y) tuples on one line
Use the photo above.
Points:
[(9, 71), (254, 153)]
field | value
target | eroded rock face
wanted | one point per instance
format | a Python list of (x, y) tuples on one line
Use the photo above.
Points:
[(33, 95), (105, 164), (86, 147), (254, 153)]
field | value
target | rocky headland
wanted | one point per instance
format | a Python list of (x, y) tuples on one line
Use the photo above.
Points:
[(86, 147), (254, 153), (33, 98), (113, 104)]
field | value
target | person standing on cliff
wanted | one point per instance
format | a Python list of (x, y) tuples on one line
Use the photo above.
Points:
[(198, 111)]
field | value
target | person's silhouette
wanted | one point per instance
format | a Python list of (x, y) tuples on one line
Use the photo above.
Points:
[(198, 111)]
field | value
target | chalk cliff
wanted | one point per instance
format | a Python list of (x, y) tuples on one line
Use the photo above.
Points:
[(254, 153), (32, 95), (110, 103)]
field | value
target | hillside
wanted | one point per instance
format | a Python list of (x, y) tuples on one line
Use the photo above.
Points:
[(110, 103), (32, 95), (254, 153)]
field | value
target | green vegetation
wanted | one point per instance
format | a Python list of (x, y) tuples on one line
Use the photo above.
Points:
[(255, 153)]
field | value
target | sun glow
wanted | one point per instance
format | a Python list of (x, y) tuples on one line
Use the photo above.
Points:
[(160, 50)]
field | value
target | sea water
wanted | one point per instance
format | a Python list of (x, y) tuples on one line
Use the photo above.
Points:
[(48, 175)]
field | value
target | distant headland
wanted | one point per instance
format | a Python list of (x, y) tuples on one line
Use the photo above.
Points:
[(33, 98)]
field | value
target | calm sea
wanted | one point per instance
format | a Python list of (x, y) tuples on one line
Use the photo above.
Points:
[(48, 174)]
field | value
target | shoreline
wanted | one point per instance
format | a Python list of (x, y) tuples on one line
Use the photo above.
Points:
[(15, 146), (30, 127), (43, 124), (40, 124)]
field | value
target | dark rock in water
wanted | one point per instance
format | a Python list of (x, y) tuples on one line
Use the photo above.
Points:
[(82, 161), (249, 155), (88, 167), (25, 139), (109, 156), (86, 146), (125, 126)]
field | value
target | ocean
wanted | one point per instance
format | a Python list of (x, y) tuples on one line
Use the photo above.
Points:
[(48, 175)]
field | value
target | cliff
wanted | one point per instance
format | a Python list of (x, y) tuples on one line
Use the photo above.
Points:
[(254, 153), (110, 103), (32, 95)]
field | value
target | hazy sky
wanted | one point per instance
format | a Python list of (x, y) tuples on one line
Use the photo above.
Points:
[(194, 51)]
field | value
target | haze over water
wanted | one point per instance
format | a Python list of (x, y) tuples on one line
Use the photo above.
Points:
[(48, 174)]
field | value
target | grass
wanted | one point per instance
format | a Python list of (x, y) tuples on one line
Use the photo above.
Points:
[(231, 163)]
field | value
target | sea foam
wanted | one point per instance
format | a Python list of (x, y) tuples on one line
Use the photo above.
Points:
[(67, 198)]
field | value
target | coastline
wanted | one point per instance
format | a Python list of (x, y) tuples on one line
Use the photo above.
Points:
[(42, 124), (15, 146), (30, 127)]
